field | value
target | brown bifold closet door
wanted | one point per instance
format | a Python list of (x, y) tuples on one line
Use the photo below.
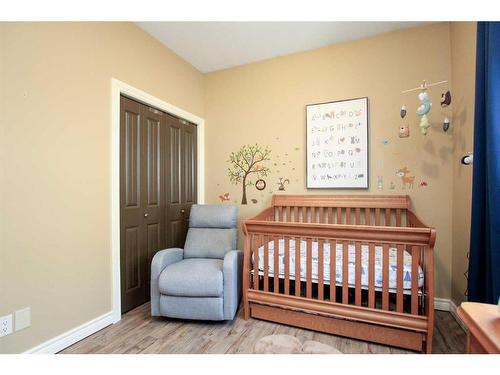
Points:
[(182, 182), (142, 197), (157, 188)]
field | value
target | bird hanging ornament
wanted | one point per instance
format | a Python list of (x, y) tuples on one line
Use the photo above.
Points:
[(423, 109)]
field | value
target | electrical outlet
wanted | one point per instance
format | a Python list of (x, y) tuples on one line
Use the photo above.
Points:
[(5, 325), (23, 318)]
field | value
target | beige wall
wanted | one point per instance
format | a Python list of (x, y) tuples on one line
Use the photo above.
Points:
[(463, 62), (55, 126), (265, 103)]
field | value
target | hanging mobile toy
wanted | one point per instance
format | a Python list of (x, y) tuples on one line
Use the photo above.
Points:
[(446, 124), (425, 104), (423, 109), (446, 99), (403, 111)]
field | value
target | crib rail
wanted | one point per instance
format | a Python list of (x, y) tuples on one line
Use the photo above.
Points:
[(283, 264)]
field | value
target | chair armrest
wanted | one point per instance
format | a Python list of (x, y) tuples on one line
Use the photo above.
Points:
[(160, 261), (232, 270)]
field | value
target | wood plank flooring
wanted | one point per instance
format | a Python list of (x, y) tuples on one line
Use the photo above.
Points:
[(138, 332)]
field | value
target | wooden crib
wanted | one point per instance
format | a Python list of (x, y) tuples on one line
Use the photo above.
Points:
[(295, 224)]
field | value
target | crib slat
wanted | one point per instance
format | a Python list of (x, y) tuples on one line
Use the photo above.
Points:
[(297, 266), (358, 216), (387, 217), (320, 270), (345, 270), (287, 264), (377, 216), (399, 295), (266, 264), (415, 257), (313, 215), (358, 274), (288, 218), (333, 271), (330, 215), (321, 215), (296, 214), (367, 216), (256, 245), (398, 217), (385, 276), (339, 215), (276, 266), (371, 275), (304, 214), (309, 269), (280, 213), (348, 216)]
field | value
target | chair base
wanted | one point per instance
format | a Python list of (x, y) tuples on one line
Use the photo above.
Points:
[(196, 308)]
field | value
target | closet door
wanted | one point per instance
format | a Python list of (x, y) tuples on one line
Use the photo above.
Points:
[(142, 198), (157, 189), (154, 202), (181, 188)]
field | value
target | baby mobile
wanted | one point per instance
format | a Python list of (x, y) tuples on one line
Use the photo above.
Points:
[(424, 108)]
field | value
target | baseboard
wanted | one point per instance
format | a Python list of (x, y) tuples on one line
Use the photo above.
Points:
[(453, 311), (442, 304), (72, 336)]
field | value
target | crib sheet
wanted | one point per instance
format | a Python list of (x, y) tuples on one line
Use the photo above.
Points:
[(407, 270)]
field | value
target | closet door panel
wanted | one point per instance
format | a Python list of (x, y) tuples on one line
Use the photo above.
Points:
[(154, 203), (189, 148), (133, 251)]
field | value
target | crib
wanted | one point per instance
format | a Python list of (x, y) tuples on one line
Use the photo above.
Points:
[(350, 265)]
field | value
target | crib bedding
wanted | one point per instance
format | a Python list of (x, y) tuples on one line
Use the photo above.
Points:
[(407, 269)]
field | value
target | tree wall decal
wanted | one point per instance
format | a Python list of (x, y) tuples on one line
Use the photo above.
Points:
[(246, 164)]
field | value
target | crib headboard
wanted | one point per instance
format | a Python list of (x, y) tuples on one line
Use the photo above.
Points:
[(388, 210), (362, 201)]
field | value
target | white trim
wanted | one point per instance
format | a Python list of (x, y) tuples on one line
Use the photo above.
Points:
[(117, 88), (72, 336), (442, 304), (453, 311)]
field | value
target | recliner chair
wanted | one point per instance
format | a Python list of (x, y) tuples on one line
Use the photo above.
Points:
[(203, 280)]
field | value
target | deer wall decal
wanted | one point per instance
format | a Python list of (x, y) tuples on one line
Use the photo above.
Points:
[(405, 178)]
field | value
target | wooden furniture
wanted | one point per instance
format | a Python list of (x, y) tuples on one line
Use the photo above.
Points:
[(398, 317), (483, 324)]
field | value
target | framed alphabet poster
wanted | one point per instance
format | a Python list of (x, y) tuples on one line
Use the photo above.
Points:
[(337, 144)]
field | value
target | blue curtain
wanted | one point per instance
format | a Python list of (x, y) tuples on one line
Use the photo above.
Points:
[(484, 258)]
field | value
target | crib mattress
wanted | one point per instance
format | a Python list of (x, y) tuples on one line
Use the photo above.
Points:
[(407, 269)]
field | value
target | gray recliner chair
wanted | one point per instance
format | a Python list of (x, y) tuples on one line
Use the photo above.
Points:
[(203, 280)]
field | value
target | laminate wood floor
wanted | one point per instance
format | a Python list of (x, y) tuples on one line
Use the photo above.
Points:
[(138, 332)]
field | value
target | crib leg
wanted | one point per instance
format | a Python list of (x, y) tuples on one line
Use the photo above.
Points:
[(428, 342), (246, 277), (246, 307)]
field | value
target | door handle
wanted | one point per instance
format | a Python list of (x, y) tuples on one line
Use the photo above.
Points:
[(183, 211), (146, 214)]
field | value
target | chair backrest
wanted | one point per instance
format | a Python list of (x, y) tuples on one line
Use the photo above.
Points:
[(213, 231)]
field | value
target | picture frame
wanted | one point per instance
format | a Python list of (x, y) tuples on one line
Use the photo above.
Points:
[(337, 144)]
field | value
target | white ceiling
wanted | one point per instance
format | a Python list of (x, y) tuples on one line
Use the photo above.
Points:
[(211, 46)]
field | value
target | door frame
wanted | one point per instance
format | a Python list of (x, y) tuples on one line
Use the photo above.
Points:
[(118, 88)]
